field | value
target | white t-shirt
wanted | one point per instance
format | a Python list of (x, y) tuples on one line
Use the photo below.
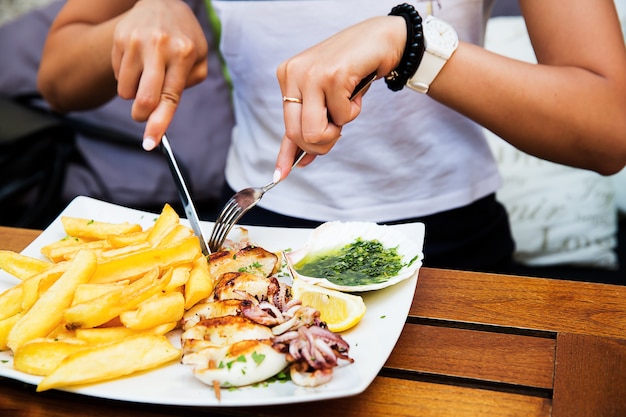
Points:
[(405, 155)]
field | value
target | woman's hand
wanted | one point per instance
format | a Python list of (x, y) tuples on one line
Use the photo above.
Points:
[(159, 49), (148, 51), (324, 77)]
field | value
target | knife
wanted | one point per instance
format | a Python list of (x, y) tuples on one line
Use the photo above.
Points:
[(183, 192)]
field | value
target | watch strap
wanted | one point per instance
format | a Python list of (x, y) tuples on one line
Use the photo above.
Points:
[(426, 72)]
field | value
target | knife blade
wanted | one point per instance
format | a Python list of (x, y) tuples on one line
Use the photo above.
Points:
[(185, 196)]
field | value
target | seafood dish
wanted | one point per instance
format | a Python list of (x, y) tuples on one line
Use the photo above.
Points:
[(251, 328)]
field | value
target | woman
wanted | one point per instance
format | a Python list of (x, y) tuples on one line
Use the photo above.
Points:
[(407, 157)]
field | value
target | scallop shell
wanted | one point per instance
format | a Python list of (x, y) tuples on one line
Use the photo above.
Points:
[(334, 235)]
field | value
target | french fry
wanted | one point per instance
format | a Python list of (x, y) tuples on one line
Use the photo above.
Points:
[(176, 234), (94, 312), (136, 264), (41, 357), (100, 335), (47, 312), (111, 360), (67, 252), (89, 291), (50, 249), (11, 301), (36, 285), (200, 284), (95, 230), (166, 221), (5, 328), (100, 310), (157, 310), (128, 239), (21, 266), (61, 333), (180, 275), (124, 250)]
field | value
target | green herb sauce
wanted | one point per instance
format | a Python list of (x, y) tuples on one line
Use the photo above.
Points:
[(359, 263)]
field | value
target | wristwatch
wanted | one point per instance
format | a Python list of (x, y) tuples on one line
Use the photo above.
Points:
[(441, 40)]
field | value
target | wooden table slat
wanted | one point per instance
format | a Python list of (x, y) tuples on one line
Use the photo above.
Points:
[(16, 239), (522, 302), (589, 370), (504, 358), (385, 397)]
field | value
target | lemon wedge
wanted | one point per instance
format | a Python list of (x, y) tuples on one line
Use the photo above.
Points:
[(339, 310)]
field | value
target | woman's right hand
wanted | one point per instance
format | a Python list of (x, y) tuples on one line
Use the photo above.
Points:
[(159, 49), (148, 51)]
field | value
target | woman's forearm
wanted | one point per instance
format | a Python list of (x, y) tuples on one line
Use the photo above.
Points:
[(565, 114), (76, 71)]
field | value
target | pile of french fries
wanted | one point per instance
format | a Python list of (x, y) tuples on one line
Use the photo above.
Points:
[(101, 306)]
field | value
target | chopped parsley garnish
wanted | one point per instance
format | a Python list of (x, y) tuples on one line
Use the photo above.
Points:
[(258, 358), (358, 263), (282, 377), (251, 267)]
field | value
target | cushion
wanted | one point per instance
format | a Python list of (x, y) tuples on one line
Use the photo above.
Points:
[(619, 185), (559, 215)]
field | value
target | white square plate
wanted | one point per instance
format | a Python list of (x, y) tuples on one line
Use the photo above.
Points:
[(371, 341)]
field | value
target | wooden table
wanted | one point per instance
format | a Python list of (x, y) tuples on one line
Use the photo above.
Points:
[(474, 344)]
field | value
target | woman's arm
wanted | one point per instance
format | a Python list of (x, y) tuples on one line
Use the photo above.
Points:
[(146, 50), (76, 72), (569, 108)]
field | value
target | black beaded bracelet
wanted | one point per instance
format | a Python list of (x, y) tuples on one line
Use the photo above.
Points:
[(413, 50)]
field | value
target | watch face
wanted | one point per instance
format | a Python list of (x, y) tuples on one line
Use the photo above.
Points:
[(440, 36)]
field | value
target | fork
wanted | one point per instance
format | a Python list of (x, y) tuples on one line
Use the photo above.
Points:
[(240, 203)]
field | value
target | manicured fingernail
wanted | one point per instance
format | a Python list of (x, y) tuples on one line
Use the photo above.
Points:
[(277, 175), (148, 144)]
